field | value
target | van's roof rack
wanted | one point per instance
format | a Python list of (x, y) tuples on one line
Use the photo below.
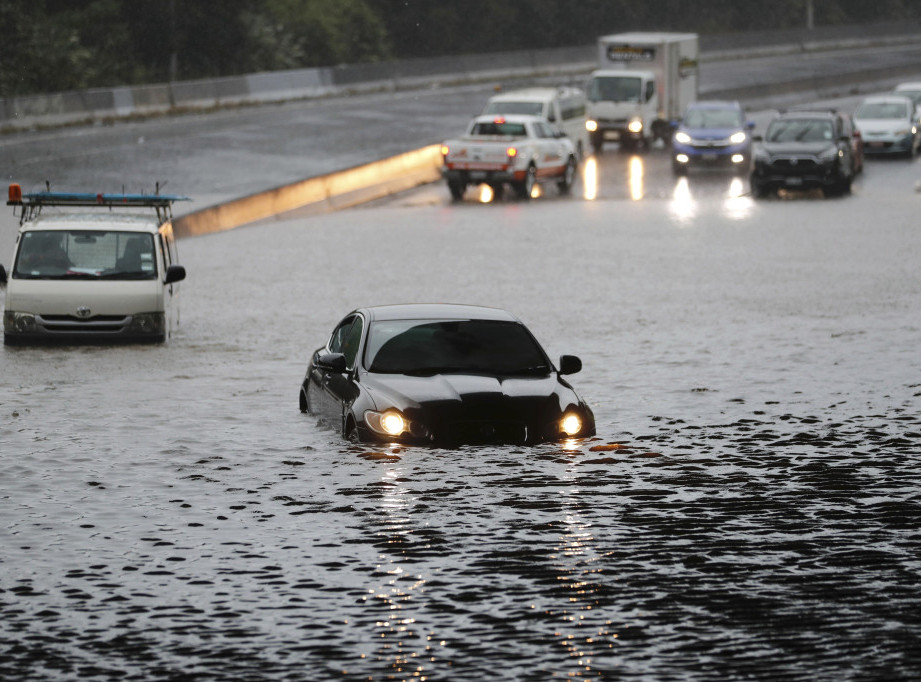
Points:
[(33, 201)]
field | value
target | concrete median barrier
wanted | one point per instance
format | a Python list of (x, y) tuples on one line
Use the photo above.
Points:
[(322, 193)]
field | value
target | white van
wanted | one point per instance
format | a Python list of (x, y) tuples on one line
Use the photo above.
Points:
[(564, 107), (92, 267)]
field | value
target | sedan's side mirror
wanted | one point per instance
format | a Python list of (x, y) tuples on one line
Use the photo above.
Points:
[(2, 275), (570, 364), (175, 273), (332, 362)]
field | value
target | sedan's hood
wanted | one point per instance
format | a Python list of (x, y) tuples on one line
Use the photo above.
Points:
[(470, 396)]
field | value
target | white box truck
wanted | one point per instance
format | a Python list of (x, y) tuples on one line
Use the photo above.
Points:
[(643, 84)]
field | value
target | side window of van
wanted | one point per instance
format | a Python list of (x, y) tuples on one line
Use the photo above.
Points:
[(573, 108)]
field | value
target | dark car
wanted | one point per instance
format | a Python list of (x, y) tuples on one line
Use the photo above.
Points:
[(806, 150), (444, 375), (712, 134)]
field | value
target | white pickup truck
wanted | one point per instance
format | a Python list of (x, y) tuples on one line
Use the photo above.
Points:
[(514, 149)]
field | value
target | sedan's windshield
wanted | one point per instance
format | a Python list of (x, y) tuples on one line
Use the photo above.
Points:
[(882, 110), (428, 347), (713, 118), (800, 130), (85, 254)]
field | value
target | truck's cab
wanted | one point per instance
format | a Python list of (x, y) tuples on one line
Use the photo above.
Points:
[(623, 106), (91, 267), (643, 84)]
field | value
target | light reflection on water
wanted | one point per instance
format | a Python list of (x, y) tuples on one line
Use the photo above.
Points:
[(749, 508)]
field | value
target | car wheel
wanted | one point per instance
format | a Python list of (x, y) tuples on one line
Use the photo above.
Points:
[(758, 188), (526, 186), (457, 189), (303, 403), (569, 174), (351, 432), (498, 190), (679, 168), (597, 140)]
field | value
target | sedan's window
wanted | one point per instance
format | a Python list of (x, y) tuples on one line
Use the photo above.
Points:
[(433, 346), (713, 118)]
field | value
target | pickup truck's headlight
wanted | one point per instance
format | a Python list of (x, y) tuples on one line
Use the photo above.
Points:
[(682, 137), (18, 323)]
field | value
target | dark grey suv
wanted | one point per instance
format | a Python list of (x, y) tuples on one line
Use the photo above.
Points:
[(805, 150)]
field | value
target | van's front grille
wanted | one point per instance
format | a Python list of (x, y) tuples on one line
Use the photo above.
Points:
[(70, 324)]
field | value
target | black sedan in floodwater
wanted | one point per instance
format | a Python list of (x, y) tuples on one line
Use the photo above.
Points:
[(442, 374)]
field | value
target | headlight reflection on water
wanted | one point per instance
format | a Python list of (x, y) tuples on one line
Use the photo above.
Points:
[(635, 174), (590, 179)]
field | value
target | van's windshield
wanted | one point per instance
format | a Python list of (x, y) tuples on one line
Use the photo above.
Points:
[(85, 254)]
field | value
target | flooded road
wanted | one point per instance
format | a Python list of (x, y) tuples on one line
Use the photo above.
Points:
[(750, 508)]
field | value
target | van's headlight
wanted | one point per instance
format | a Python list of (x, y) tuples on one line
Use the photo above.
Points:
[(18, 323), (147, 323)]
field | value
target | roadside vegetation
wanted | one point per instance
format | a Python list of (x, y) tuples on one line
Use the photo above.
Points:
[(60, 45)]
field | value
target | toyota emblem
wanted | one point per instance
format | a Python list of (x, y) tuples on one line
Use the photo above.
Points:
[(84, 311)]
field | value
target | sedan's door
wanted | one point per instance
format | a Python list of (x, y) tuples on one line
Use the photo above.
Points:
[(335, 385)]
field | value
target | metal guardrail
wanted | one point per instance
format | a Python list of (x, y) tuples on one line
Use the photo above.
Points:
[(63, 108)]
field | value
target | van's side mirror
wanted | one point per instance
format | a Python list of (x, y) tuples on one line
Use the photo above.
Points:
[(2, 275), (175, 273), (570, 364)]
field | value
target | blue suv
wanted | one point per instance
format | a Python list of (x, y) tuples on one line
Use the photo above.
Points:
[(713, 134)]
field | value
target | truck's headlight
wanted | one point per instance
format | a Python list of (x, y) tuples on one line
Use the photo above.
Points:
[(591, 126), (18, 323), (635, 126)]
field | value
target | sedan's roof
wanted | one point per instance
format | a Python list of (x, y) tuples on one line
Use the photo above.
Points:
[(437, 311)]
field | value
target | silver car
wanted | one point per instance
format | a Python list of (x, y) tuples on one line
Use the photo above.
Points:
[(889, 125)]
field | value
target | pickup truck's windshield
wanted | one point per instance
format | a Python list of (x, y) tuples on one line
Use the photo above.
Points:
[(615, 89), (426, 347), (498, 128), (85, 254)]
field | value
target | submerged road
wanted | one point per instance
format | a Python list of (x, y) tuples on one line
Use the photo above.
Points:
[(750, 508)]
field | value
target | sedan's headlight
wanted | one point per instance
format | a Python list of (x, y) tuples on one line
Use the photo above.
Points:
[(571, 424), (389, 423), (682, 137), (738, 138)]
